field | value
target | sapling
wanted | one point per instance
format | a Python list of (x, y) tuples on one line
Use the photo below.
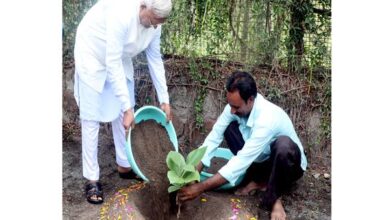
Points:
[(182, 172)]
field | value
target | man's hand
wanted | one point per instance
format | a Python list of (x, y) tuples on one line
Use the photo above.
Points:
[(167, 109), (194, 190), (199, 167), (190, 192), (128, 120)]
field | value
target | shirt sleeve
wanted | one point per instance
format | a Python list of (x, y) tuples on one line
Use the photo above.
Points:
[(156, 68), (117, 29), (253, 147), (215, 137)]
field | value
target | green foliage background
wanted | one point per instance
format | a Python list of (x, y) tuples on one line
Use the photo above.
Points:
[(289, 37), (248, 31)]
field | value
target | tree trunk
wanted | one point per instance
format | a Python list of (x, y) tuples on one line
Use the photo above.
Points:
[(296, 33), (244, 42), (268, 18)]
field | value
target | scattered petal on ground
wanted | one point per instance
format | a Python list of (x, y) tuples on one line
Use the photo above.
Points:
[(117, 204)]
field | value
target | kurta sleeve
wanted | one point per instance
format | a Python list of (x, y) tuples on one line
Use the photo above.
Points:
[(156, 68), (117, 31)]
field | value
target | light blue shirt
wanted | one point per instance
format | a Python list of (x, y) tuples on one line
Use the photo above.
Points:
[(265, 123)]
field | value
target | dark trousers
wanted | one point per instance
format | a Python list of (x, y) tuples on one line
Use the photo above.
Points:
[(279, 171)]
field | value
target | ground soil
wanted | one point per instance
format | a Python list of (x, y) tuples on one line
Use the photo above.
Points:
[(131, 199), (310, 198)]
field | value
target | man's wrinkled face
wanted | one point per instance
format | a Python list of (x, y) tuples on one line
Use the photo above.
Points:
[(238, 105), (148, 18)]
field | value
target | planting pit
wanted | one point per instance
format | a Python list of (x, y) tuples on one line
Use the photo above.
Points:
[(150, 146)]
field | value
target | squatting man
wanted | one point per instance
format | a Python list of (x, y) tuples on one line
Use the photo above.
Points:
[(263, 141)]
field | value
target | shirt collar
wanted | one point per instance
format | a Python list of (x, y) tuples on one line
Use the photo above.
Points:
[(253, 114)]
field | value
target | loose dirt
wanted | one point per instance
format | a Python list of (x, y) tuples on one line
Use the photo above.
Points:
[(150, 146)]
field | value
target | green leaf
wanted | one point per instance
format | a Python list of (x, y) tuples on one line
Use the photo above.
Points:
[(182, 173), (174, 188), (174, 179), (190, 174), (196, 156), (175, 161), (188, 169), (193, 176)]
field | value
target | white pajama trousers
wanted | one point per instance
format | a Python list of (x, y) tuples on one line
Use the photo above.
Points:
[(90, 134), (98, 107)]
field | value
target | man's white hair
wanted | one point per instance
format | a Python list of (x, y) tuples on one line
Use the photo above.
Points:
[(161, 8)]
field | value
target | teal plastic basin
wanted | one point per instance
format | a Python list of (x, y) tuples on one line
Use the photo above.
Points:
[(147, 113), (226, 154)]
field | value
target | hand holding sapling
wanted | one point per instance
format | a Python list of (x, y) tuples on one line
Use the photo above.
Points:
[(182, 172)]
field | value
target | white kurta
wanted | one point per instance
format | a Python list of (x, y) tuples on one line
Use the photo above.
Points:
[(108, 36)]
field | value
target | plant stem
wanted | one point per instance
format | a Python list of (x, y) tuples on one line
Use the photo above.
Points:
[(178, 203)]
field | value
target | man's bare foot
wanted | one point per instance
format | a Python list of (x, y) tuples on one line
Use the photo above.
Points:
[(251, 188), (278, 211), (123, 169)]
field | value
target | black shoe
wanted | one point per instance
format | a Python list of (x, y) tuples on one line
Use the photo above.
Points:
[(129, 175), (94, 193)]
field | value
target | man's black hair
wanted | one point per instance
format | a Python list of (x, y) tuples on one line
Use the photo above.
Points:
[(244, 83)]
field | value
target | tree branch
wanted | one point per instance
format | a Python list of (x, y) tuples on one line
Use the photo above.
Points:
[(324, 12), (196, 85)]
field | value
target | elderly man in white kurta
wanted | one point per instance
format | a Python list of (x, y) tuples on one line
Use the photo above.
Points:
[(109, 35)]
